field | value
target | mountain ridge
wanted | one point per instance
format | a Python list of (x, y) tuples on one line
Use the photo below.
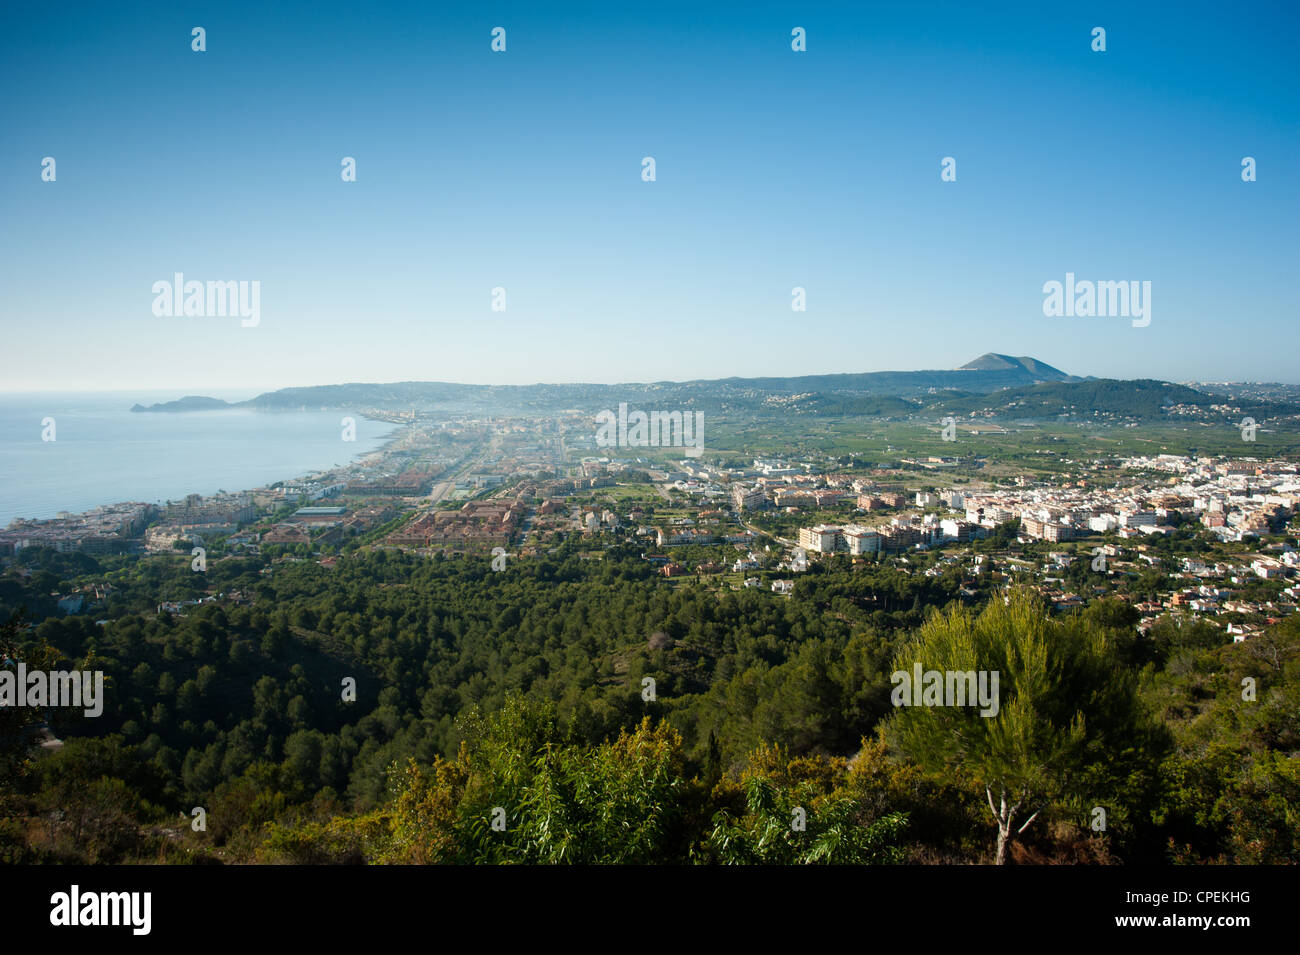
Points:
[(996, 372)]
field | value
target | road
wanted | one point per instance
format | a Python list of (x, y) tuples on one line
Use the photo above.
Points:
[(782, 540), (472, 461)]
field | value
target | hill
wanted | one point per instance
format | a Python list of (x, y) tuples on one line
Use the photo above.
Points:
[(993, 385), (989, 373), (188, 403), (991, 361), (1142, 398)]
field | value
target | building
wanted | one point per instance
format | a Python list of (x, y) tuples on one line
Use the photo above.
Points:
[(102, 530), (227, 509), (1128, 518), (1103, 523), (319, 515), (1046, 530), (478, 525), (748, 498), (794, 497), (860, 540), (823, 539), (409, 483), (898, 537), (957, 530), (286, 534)]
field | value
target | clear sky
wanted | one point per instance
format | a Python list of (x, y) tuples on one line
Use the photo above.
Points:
[(522, 169)]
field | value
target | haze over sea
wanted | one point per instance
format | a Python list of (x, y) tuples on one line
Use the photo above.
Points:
[(104, 453)]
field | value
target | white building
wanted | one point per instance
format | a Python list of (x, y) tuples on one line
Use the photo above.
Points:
[(823, 538), (861, 540), (1103, 523), (1129, 518)]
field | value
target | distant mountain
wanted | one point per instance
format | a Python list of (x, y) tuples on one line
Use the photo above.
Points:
[(992, 361), (188, 403), (993, 384), (996, 372)]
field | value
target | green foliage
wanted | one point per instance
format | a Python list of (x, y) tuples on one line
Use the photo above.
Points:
[(801, 812), (520, 794), (1067, 724), (521, 690)]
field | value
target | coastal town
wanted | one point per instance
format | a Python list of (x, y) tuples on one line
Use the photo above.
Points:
[(1179, 535), (630, 436)]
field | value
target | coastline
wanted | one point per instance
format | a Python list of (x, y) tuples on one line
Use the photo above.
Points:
[(383, 444)]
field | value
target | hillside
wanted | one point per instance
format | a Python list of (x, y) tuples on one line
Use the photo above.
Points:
[(992, 361), (989, 373), (188, 403), (992, 385), (1142, 398)]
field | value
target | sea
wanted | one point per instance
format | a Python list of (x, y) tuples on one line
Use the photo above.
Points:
[(103, 453)]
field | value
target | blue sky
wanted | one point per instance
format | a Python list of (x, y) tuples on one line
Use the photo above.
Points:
[(522, 170)]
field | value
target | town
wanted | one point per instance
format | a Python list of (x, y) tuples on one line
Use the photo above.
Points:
[(1183, 536)]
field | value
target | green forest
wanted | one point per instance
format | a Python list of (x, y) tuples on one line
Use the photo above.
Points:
[(402, 709)]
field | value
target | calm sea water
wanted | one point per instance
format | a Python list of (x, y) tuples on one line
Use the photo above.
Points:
[(102, 453)]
